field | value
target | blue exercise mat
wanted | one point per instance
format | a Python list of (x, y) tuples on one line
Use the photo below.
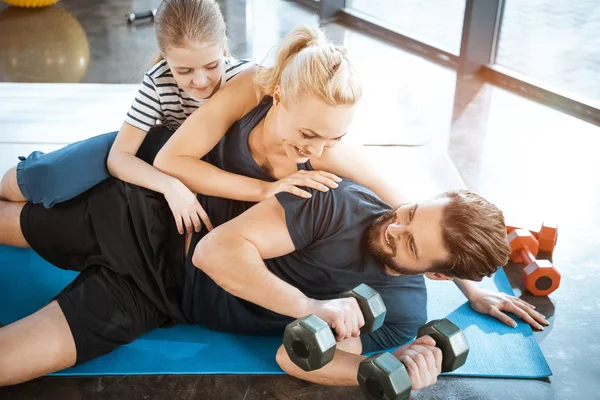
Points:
[(27, 283)]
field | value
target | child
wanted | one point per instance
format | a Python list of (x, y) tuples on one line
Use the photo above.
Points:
[(193, 65)]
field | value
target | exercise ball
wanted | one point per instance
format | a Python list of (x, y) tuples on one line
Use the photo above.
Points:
[(42, 45), (30, 3)]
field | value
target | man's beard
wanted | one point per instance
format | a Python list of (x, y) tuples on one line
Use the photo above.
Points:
[(372, 242)]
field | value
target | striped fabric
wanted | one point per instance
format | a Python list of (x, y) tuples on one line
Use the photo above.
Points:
[(161, 100)]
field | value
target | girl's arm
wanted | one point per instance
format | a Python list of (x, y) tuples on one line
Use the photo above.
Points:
[(180, 157), (123, 164)]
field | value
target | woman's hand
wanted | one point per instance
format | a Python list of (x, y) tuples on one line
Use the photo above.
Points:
[(319, 180), (186, 209)]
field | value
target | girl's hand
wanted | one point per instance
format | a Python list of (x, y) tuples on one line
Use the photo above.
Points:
[(186, 209)]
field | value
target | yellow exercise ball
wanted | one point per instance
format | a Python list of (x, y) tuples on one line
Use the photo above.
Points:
[(30, 3), (42, 45)]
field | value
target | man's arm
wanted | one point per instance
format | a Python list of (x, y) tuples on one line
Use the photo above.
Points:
[(341, 371), (233, 253), (422, 361)]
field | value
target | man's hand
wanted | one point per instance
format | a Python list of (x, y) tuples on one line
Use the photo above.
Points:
[(423, 361), (341, 314), (493, 303)]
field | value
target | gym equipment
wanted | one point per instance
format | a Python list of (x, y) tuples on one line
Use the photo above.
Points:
[(547, 236), (30, 3), (540, 277), (310, 342), (132, 16), (383, 376), (42, 45)]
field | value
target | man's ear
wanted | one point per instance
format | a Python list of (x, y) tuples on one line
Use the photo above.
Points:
[(437, 276), (277, 96)]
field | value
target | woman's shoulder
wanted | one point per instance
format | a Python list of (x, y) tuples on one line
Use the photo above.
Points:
[(240, 91)]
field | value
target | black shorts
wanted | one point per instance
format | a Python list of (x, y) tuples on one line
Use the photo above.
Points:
[(124, 241)]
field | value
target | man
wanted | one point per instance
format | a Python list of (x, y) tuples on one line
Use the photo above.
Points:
[(136, 275)]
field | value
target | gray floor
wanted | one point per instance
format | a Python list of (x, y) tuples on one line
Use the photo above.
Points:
[(534, 162)]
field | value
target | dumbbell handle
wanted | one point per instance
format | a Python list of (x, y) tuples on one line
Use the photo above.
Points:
[(526, 255), (140, 15), (372, 389), (509, 229), (383, 371)]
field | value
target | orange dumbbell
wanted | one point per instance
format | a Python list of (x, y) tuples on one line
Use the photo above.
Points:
[(546, 237), (540, 277)]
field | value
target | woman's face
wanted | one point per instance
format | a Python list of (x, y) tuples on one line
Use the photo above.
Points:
[(197, 68), (309, 126)]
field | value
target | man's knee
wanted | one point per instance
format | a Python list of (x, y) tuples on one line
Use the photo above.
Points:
[(9, 187), (10, 224)]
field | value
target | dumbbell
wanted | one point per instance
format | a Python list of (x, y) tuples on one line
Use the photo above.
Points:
[(383, 376), (540, 277), (131, 17), (547, 236), (310, 342)]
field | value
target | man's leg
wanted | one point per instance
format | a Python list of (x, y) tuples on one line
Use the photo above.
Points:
[(9, 188), (10, 224), (40, 343), (36, 345), (98, 312)]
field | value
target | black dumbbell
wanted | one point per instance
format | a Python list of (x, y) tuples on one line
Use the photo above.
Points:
[(131, 17), (383, 376), (310, 342)]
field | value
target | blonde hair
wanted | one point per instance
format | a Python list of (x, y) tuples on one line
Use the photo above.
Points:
[(308, 63), (180, 22)]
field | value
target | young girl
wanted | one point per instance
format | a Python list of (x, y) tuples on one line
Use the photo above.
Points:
[(191, 36)]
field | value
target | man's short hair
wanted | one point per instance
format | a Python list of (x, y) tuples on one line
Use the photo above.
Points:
[(474, 233)]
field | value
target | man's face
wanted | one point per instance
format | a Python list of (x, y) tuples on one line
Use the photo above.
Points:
[(409, 240)]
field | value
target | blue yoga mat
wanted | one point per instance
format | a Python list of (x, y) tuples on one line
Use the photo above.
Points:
[(27, 283)]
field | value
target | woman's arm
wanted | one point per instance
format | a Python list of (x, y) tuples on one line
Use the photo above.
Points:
[(350, 161), (180, 157)]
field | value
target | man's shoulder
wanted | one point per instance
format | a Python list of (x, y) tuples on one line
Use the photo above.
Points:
[(350, 201), (352, 194), (405, 298)]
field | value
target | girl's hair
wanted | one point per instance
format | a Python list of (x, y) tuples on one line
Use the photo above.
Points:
[(308, 63), (180, 22)]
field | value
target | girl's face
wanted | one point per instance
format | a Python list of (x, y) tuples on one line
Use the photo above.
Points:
[(309, 126), (197, 68)]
